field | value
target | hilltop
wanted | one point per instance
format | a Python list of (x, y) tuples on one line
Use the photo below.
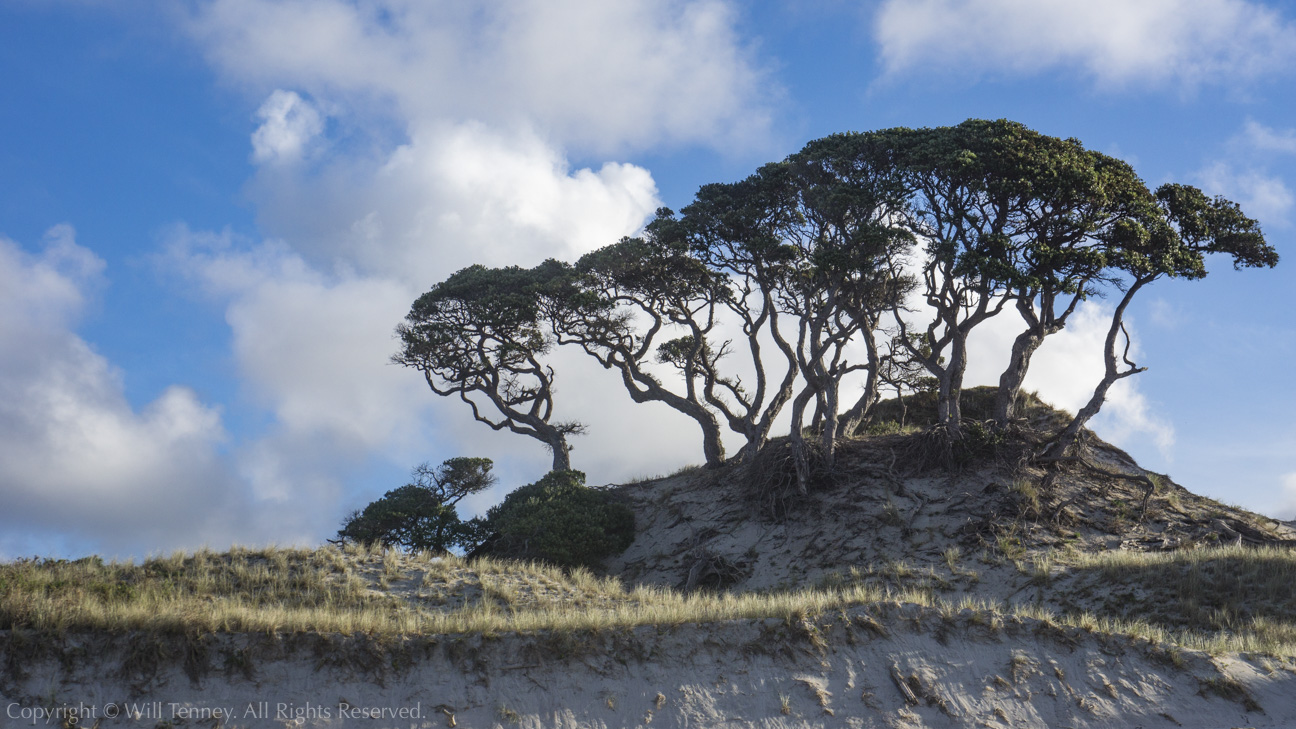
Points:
[(885, 509)]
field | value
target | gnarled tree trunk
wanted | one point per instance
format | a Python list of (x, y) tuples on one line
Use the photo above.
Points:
[(1010, 382), (1058, 446)]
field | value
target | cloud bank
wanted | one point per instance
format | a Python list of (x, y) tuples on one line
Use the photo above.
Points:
[(397, 142), (599, 77)]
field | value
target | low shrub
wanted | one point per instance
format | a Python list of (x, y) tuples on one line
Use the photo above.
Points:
[(559, 519)]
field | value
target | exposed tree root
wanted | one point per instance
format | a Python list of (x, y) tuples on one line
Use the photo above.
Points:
[(1054, 463), (772, 477), (711, 572)]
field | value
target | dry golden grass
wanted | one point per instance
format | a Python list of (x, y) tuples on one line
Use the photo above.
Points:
[(335, 591), (366, 591), (239, 591)]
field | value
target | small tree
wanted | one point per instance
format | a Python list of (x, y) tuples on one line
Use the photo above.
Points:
[(477, 335), (898, 370), (421, 515), (1071, 202)]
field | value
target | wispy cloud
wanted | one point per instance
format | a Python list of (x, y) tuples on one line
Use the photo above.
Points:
[(1262, 195), (1245, 175), (1261, 138), (1114, 42)]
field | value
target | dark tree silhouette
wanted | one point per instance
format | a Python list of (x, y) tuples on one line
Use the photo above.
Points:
[(478, 336), (734, 230), (622, 303), (842, 279), (421, 514), (773, 291)]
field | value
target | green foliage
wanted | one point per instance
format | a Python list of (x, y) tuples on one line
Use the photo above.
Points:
[(980, 440), (409, 517), (559, 519), (421, 515), (479, 318)]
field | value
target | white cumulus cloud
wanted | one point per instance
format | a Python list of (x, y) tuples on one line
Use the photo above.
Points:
[(313, 348), (1115, 42), (76, 459), (312, 322), (1286, 508), (438, 135), (453, 195)]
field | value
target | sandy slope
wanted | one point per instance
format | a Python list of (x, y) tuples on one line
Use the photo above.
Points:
[(877, 513), (920, 670)]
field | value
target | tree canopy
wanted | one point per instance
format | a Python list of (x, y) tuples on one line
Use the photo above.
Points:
[(865, 258)]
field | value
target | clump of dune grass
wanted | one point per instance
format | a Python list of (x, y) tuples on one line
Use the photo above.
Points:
[(239, 591), (1228, 589)]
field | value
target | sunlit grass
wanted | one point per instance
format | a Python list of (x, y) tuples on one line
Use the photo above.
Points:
[(335, 591)]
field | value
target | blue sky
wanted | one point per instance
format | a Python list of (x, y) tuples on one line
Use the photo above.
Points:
[(213, 213)]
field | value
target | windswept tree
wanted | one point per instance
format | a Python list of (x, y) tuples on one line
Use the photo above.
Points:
[(734, 230), (798, 255), (635, 303), (478, 336), (960, 212), (1002, 215), (1171, 241), (1071, 204), (841, 228), (773, 291)]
